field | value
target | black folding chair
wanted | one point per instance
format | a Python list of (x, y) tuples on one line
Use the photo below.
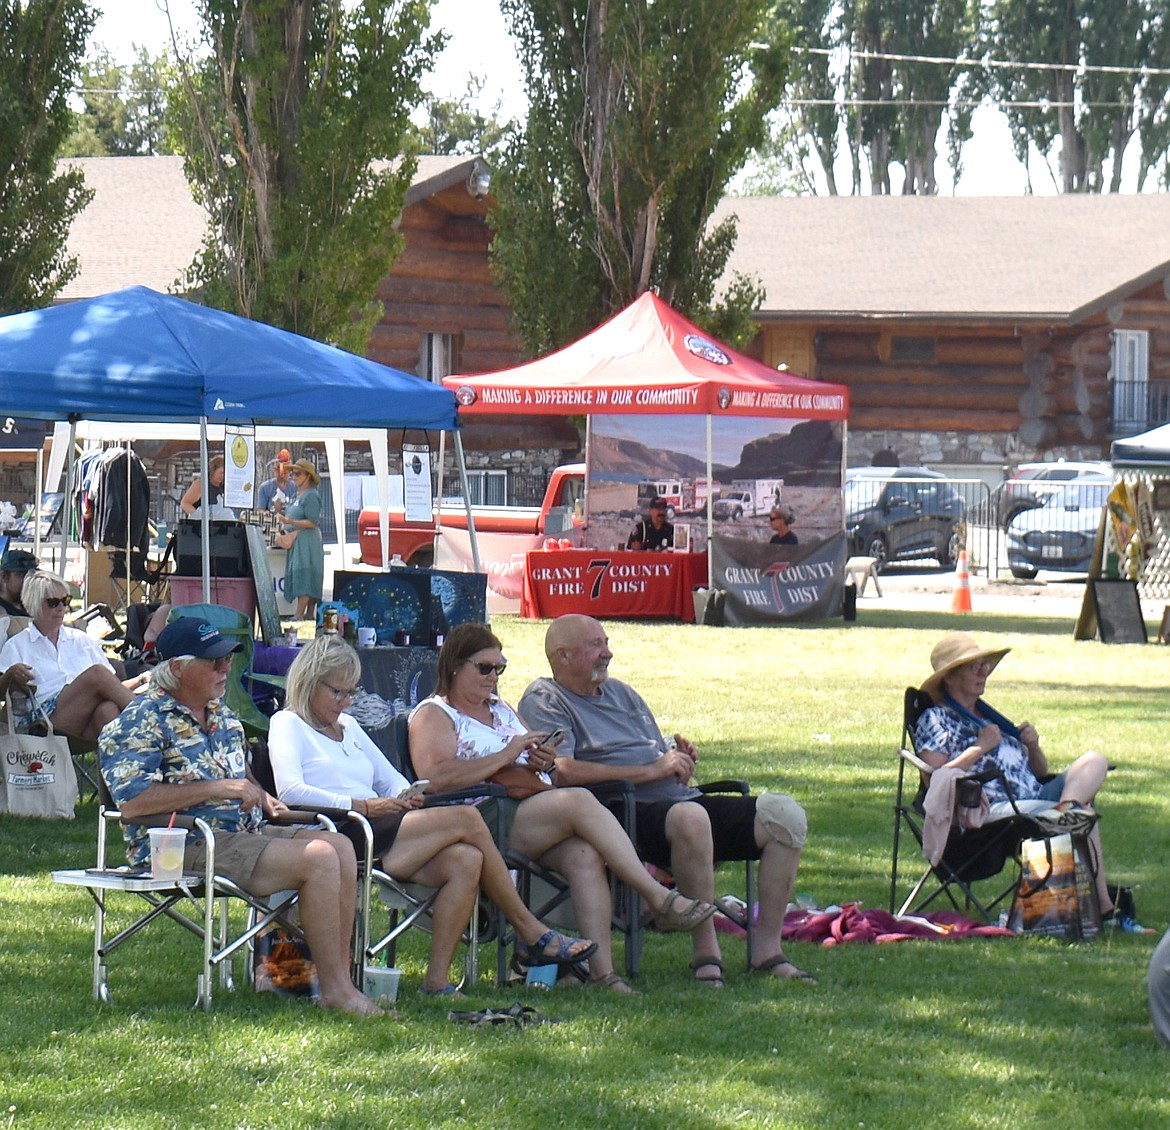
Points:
[(971, 855)]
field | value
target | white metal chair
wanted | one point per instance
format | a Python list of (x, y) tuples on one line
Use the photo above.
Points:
[(198, 901)]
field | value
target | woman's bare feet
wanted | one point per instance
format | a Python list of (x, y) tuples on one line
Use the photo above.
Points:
[(356, 1005)]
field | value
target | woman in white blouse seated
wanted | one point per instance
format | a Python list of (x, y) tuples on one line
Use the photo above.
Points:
[(74, 682), (321, 757)]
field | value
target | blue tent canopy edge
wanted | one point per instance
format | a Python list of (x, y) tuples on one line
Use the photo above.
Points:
[(137, 355)]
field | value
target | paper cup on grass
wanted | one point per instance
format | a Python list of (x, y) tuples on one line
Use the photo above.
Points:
[(166, 852)]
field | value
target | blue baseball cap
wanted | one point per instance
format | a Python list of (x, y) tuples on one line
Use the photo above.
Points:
[(189, 636), (18, 561)]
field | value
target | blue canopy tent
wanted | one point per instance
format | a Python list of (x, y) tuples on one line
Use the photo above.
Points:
[(139, 356)]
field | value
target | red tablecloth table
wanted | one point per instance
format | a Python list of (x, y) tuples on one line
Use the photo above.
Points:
[(611, 584)]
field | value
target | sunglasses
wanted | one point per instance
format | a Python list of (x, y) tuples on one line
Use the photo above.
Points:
[(56, 602), (222, 663), (488, 668), (342, 693)]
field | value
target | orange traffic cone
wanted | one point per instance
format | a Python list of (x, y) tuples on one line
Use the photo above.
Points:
[(961, 596)]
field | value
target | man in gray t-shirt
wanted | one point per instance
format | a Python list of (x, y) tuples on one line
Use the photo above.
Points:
[(611, 735)]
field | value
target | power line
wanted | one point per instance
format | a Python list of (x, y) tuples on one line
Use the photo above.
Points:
[(959, 104), (992, 64)]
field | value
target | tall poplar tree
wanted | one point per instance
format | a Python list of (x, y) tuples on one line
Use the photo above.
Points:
[(295, 132), (640, 113), (42, 43)]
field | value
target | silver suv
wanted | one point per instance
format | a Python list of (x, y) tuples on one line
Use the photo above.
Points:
[(1034, 483)]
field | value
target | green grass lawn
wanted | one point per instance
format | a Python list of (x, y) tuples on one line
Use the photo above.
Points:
[(995, 1033)]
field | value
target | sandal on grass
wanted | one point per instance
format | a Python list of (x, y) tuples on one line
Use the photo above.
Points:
[(448, 990), (714, 981), (679, 914), (614, 981), (536, 953), (779, 962)]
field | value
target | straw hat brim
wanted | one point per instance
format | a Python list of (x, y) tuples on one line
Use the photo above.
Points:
[(309, 470), (954, 651)]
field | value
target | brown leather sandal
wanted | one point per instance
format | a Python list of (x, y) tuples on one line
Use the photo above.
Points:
[(714, 982)]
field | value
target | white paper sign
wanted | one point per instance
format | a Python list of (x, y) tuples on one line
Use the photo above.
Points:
[(416, 482), (239, 484)]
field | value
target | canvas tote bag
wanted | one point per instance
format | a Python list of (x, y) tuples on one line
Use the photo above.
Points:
[(39, 778), (1056, 896)]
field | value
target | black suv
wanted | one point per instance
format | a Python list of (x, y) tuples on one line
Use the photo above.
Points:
[(903, 512)]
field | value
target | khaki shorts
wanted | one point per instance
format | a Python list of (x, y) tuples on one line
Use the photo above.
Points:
[(236, 853)]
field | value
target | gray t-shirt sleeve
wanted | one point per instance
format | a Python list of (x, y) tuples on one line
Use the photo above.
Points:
[(614, 727)]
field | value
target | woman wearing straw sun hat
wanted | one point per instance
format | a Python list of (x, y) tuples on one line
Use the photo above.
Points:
[(304, 574), (963, 731)]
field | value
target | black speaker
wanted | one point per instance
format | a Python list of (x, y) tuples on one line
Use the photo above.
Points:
[(229, 549)]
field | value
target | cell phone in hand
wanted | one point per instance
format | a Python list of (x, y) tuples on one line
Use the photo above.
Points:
[(555, 738), (419, 786)]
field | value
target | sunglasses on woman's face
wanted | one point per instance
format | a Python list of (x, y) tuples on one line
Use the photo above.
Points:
[(489, 668), (56, 602)]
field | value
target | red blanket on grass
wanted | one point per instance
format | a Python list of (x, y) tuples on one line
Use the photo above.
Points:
[(851, 923)]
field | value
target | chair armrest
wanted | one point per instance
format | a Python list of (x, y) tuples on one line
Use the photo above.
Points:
[(607, 791), (731, 785), (913, 759), (461, 796)]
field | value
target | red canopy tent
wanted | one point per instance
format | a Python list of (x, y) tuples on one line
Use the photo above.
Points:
[(649, 360)]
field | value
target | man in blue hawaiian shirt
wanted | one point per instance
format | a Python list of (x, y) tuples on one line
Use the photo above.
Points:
[(178, 748)]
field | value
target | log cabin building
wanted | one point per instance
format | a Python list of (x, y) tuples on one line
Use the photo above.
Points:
[(443, 312), (974, 333)]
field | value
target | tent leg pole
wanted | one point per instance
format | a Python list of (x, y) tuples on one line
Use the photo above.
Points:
[(710, 514), (462, 464), (205, 510)]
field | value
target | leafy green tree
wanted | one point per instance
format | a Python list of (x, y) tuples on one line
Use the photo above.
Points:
[(41, 46), (458, 126), (639, 116), (1082, 113), (123, 109), (889, 104), (294, 132)]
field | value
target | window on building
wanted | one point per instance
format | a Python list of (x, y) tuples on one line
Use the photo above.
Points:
[(904, 348), (487, 488), (1129, 370), (437, 357)]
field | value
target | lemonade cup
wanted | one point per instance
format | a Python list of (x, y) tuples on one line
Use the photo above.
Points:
[(166, 852)]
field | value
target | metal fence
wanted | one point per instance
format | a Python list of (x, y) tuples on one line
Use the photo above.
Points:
[(1139, 406)]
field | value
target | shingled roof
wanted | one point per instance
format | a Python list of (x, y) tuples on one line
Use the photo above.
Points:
[(143, 226), (1050, 258)]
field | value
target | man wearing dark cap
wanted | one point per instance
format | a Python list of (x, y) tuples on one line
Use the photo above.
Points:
[(178, 748), (15, 565), (654, 532)]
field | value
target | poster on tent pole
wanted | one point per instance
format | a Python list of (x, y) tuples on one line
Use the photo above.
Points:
[(757, 463), (239, 481), (417, 493)]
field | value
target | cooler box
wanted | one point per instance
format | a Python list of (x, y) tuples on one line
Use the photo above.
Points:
[(232, 592)]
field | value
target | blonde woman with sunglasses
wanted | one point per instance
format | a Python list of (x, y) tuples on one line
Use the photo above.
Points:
[(321, 757), (75, 684)]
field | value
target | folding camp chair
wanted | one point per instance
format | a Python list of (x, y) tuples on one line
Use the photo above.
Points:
[(244, 684), (198, 901), (970, 856)]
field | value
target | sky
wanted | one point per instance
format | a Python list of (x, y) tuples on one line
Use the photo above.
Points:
[(479, 44)]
